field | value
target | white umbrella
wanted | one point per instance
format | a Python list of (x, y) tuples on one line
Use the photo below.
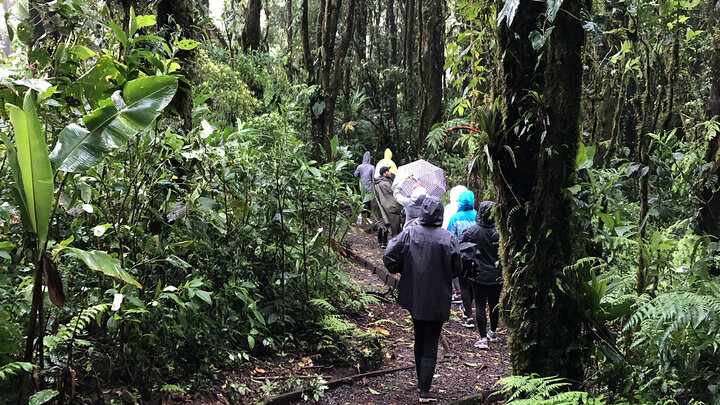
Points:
[(430, 176)]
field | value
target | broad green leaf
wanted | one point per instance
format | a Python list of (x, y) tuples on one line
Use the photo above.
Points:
[(99, 83), (581, 155), (187, 44), (34, 164), (101, 261), (42, 397), (143, 21), (111, 125), (120, 33), (17, 191), (82, 52), (552, 8), (508, 12)]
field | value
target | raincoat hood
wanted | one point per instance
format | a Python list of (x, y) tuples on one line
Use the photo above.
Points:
[(388, 154), (484, 216), (432, 212), (455, 193), (466, 201), (418, 195), (366, 158)]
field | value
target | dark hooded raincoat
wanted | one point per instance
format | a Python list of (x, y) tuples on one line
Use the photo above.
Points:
[(387, 209), (486, 268), (427, 258)]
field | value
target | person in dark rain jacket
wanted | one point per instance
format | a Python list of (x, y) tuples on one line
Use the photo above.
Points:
[(485, 273), (427, 258)]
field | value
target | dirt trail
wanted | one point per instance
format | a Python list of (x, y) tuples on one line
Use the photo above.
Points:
[(462, 370)]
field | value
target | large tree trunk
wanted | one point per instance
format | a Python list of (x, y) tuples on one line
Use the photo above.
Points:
[(431, 67), (709, 218), (533, 212), (305, 33), (329, 73), (251, 31), (182, 15)]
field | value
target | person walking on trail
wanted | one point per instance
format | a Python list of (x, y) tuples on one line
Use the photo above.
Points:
[(462, 220), (427, 258), (387, 208), (365, 172), (386, 162), (412, 204), (485, 272), (452, 207), (450, 210)]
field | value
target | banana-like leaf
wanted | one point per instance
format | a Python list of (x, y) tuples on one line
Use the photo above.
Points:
[(34, 164), (101, 261), (113, 124), (18, 190)]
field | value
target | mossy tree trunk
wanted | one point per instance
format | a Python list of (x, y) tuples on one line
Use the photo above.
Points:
[(182, 12), (432, 62), (251, 29), (709, 218), (533, 164)]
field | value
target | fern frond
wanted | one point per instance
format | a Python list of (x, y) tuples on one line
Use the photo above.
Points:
[(336, 324), (77, 324), (323, 304)]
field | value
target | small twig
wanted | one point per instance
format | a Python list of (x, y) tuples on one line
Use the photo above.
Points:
[(463, 127)]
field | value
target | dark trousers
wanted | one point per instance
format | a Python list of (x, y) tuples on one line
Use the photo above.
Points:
[(489, 294), (427, 336), (466, 292)]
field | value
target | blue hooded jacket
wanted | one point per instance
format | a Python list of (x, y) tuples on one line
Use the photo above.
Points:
[(465, 217)]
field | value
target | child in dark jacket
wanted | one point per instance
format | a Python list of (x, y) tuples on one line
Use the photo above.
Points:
[(486, 274)]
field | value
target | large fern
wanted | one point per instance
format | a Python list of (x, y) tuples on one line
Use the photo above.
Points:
[(678, 338), (77, 324), (534, 390)]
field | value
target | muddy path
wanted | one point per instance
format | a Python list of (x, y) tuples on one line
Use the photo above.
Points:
[(462, 371)]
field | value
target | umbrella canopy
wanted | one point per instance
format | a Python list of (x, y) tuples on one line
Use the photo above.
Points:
[(430, 176)]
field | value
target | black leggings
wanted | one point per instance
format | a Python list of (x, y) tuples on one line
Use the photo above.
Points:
[(490, 294), (427, 336), (466, 292)]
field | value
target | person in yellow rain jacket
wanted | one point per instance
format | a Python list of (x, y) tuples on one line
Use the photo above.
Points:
[(386, 162)]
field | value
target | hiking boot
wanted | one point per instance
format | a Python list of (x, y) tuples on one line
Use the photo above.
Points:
[(456, 298), (482, 344), (493, 336), (468, 322), (426, 397)]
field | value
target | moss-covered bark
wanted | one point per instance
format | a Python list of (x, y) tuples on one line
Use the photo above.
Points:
[(533, 211)]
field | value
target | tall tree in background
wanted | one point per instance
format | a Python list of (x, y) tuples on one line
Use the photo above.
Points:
[(328, 69), (432, 61), (251, 30), (709, 218), (533, 157), (171, 15)]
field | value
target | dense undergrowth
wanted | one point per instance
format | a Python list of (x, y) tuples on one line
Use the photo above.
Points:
[(222, 243), (231, 231)]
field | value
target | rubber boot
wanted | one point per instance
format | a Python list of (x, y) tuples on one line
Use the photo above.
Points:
[(425, 376)]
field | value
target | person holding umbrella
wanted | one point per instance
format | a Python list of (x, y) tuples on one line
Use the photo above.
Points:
[(427, 258), (412, 204)]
